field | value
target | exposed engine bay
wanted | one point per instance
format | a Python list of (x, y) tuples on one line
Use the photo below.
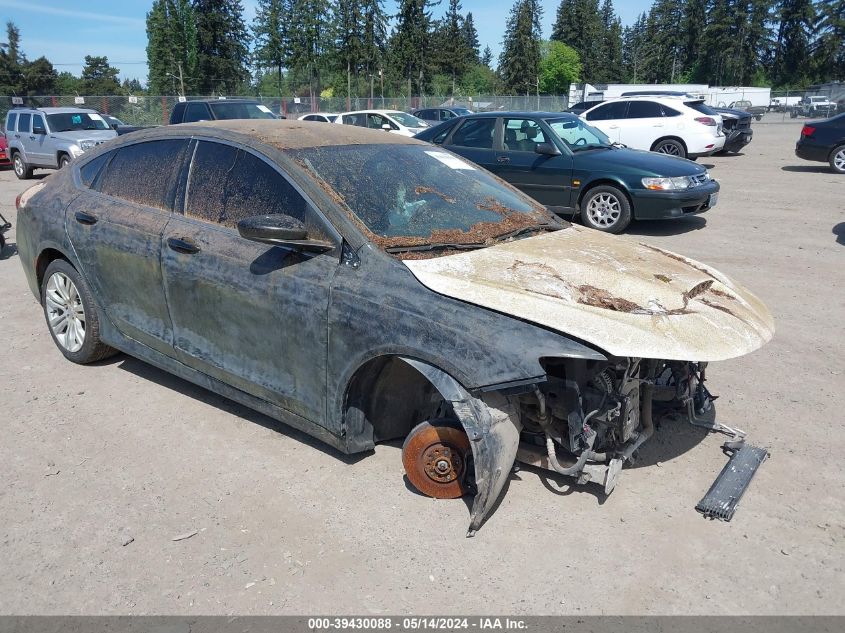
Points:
[(601, 413)]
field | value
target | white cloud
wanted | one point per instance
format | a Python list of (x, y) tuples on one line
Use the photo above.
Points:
[(85, 15)]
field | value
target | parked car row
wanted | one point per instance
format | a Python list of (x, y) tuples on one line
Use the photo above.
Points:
[(363, 287)]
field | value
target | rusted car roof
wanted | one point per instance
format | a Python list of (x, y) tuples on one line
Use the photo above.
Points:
[(284, 134)]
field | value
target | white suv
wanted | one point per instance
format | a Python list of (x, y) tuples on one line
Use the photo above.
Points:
[(666, 124)]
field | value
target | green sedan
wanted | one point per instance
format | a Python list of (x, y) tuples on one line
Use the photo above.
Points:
[(574, 169)]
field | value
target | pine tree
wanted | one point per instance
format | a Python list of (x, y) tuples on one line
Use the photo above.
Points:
[(374, 41), (830, 47), (610, 53), (579, 24), (455, 52), (222, 46), (11, 62), (310, 41), (470, 35), (410, 43), (171, 47), (519, 63), (635, 51), (349, 46), (792, 53), (98, 78), (268, 29), (487, 57)]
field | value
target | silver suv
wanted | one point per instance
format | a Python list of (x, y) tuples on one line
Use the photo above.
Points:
[(49, 138)]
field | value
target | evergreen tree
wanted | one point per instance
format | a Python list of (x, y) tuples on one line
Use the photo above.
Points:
[(171, 47), (665, 31), (487, 57), (268, 29), (410, 43), (98, 78), (610, 53), (39, 77), (830, 46), (470, 35), (456, 54), (792, 53), (349, 27), (374, 43), (222, 46), (635, 51), (11, 62), (579, 24), (310, 38), (519, 63)]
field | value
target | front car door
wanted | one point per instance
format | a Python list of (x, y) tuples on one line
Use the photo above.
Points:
[(475, 139), (115, 227), (547, 179), (39, 151), (609, 118), (251, 315)]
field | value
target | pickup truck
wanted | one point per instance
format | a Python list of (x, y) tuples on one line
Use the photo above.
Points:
[(814, 106), (756, 111)]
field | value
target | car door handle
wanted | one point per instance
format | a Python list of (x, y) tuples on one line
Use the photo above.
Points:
[(32, 138), (657, 125), (85, 218), (614, 127), (182, 245), (503, 160)]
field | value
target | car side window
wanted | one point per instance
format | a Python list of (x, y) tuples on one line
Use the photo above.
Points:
[(355, 119), (475, 133), (89, 171), (23, 122), (667, 111), (644, 110), (445, 115), (12, 122), (522, 135), (38, 122), (196, 112), (144, 173), (441, 136), (229, 184), (376, 121), (607, 111)]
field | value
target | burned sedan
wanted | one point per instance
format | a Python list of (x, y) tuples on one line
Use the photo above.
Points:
[(363, 287)]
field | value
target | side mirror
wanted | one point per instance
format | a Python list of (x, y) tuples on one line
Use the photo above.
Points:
[(280, 230), (547, 149), (114, 126), (37, 129), (386, 126)]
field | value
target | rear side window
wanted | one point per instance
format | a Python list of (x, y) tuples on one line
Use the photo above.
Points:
[(667, 111), (196, 112), (228, 185), (441, 136), (614, 110), (144, 173), (644, 110), (23, 122), (89, 171), (12, 122), (475, 133)]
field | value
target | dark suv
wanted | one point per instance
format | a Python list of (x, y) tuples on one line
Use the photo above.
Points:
[(214, 109)]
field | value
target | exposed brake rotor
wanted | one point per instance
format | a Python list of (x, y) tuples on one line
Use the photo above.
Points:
[(435, 458)]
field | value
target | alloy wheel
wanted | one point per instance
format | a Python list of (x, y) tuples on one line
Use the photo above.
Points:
[(18, 165), (65, 312), (839, 160), (604, 210), (669, 148)]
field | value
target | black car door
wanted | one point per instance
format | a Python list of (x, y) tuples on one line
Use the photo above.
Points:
[(115, 227), (252, 315), (547, 179), (474, 140)]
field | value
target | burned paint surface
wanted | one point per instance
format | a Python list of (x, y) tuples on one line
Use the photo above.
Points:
[(610, 293)]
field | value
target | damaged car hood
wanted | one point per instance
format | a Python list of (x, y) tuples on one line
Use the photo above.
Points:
[(627, 299)]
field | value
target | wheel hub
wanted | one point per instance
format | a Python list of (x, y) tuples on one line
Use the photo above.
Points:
[(442, 464), (435, 458)]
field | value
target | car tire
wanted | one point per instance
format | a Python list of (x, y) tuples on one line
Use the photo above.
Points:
[(837, 159), (64, 161), (71, 314), (22, 170), (671, 147), (606, 208)]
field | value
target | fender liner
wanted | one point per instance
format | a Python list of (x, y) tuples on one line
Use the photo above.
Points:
[(493, 427)]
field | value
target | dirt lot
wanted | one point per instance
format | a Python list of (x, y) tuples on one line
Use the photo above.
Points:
[(92, 457)]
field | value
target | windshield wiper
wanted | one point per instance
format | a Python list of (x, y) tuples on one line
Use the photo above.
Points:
[(432, 247), (526, 229)]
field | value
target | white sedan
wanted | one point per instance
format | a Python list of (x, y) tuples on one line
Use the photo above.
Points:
[(393, 121), (322, 117)]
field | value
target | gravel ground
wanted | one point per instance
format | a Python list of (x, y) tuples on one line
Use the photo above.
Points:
[(102, 467)]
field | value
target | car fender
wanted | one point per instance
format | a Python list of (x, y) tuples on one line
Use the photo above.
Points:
[(492, 424)]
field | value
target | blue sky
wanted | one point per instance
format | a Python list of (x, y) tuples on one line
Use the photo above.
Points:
[(65, 31)]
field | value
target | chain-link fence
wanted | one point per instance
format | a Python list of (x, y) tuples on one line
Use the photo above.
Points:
[(155, 110), (814, 101)]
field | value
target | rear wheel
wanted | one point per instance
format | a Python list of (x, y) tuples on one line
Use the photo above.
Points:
[(22, 170), (71, 314), (837, 159), (436, 455), (606, 208), (671, 147), (64, 161)]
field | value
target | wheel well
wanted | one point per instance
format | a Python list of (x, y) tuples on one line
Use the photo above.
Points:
[(599, 183), (46, 257), (669, 138), (386, 398), (59, 156)]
